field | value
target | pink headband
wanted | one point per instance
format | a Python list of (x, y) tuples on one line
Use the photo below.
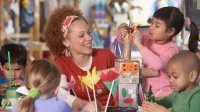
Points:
[(66, 24), (187, 21)]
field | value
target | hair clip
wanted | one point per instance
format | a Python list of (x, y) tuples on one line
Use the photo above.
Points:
[(187, 21)]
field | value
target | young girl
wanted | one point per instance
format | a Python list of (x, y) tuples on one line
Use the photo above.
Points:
[(42, 79), (158, 47)]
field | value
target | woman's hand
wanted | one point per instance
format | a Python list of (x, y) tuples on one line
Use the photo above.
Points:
[(122, 32), (76, 105), (152, 107), (90, 107)]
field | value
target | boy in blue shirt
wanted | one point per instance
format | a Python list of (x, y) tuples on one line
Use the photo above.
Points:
[(18, 57)]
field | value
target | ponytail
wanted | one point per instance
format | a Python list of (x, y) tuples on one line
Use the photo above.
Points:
[(194, 38), (26, 104), (39, 81)]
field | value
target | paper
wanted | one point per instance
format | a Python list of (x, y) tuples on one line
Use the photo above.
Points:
[(89, 78), (108, 86), (23, 90)]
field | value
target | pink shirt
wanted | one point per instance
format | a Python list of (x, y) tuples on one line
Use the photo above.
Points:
[(157, 56)]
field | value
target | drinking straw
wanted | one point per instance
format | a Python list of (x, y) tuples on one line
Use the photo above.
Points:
[(9, 67), (72, 82), (109, 95), (77, 98), (88, 92), (95, 101)]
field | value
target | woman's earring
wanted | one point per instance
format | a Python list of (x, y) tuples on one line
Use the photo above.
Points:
[(67, 52)]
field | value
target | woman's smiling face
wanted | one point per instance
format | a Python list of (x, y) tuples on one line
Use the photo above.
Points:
[(79, 38)]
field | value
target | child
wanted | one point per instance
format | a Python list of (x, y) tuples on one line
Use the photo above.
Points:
[(42, 79), (18, 57), (193, 40), (158, 47), (183, 79)]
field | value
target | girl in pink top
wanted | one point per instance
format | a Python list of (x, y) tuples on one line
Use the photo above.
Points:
[(158, 47)]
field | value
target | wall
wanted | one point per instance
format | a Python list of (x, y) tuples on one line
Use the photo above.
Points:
[(85, 6)]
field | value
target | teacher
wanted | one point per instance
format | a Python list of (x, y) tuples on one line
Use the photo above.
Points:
[(69, 38)]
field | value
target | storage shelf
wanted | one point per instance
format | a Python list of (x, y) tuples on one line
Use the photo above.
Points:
[(19, 35)]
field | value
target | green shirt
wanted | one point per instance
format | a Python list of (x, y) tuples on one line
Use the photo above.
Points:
[(182, 101)]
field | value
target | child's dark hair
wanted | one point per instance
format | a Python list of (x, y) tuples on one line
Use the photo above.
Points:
[(172, 17), (194, 38), (18, 54), (42, 75), (183, 57)]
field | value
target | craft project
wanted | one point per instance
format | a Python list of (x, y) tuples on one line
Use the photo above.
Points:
[(128, 95), (87, 80), (129, 70), (90, 80), (129, 73), (150, 96), (11, 97), (128, 42)]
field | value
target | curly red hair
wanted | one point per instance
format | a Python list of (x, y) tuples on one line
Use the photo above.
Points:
[(53, 35)]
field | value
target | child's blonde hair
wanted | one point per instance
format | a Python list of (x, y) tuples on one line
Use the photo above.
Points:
[(42, 75)]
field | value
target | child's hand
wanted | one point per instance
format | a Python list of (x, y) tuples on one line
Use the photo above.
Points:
[(3, 89), (137, 39), (17, 82), (122, 32), (152, 107)]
